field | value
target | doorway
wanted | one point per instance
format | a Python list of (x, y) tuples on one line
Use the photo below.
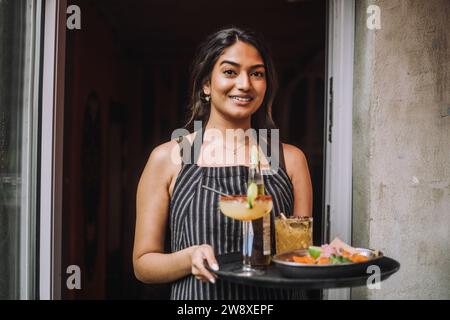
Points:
[(126, 90)]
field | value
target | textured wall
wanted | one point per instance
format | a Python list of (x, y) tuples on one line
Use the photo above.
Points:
[(401, 146)]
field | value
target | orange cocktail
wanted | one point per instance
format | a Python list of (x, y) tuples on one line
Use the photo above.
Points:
[(237, 207)]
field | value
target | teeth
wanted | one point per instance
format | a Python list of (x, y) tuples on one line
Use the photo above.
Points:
[(242, 99)]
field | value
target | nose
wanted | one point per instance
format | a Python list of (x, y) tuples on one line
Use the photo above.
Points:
[(243, 82)]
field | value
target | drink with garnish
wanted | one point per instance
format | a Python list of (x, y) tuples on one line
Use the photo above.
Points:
[(253, 210), (237, 207), (293, 233)]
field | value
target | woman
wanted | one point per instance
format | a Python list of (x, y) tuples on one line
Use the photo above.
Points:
[(233, 87)]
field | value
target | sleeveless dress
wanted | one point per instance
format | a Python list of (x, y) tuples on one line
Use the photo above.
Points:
[(195, 219)]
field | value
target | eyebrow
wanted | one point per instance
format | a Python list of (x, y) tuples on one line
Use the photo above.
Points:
[(238, 65)]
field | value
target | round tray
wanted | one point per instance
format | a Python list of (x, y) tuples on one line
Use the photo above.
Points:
[(273, 276)]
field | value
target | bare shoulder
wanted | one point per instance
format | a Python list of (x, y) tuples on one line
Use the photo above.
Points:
[(295, 158), (162, 163), (168, 152), (292, 153), (165, 160), (162, 154)]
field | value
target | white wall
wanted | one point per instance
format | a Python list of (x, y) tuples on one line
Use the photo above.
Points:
[(401, 145)]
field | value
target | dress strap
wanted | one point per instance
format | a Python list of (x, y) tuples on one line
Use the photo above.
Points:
[(188, 152), (282, 161), (196, 145)]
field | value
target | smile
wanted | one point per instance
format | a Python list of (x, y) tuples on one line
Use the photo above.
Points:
[(241, 99)]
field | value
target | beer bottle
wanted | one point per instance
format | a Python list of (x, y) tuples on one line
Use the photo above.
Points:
[(261, 247)]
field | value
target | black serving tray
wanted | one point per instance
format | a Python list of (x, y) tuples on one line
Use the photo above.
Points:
[(274, 276)]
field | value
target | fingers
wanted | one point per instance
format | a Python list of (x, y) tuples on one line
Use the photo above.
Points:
[(211, 259), (204, 254), (201, 273)]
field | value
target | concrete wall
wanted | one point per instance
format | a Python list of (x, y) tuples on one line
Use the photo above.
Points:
[(401, 146)]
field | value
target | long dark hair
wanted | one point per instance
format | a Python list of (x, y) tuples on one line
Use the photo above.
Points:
[(207, 55)]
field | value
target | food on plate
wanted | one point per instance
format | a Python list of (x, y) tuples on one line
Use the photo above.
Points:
[(337, 252)]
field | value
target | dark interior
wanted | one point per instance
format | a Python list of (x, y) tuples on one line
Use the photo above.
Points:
[(126, 90)]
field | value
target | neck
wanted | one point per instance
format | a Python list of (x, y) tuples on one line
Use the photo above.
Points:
[(219, 122)]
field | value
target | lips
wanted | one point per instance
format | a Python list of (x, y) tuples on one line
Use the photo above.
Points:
[(241, 100)]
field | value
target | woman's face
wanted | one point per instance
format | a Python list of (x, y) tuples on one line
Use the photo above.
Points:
[(238, 82)]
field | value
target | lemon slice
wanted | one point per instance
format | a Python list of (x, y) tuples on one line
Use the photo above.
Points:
[(252, 193)]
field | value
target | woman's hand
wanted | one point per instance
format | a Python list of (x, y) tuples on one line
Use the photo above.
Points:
[(198, 257)]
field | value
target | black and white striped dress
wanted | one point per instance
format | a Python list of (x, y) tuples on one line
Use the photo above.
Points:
[(195, 219)]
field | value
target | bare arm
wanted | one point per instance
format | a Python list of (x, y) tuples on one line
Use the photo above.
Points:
[(151, 264), (297, 168)]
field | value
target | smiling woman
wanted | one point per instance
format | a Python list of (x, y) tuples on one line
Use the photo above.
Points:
[(233, 86)]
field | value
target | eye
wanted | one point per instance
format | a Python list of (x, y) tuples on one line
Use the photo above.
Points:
[(229, 72), (258, 74)]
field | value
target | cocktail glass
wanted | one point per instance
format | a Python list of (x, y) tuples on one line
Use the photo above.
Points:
[(236, 207)]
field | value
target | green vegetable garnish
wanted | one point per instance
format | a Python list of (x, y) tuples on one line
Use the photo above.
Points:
[(314, 251), (345, 260), (339, 259), (334, 259), (252, 193)]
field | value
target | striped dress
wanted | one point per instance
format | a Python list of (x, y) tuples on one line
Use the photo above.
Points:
[(195, 219)]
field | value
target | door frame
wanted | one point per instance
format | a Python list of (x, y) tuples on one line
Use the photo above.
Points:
[(338, 150), (338, 127), (52, 129)]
